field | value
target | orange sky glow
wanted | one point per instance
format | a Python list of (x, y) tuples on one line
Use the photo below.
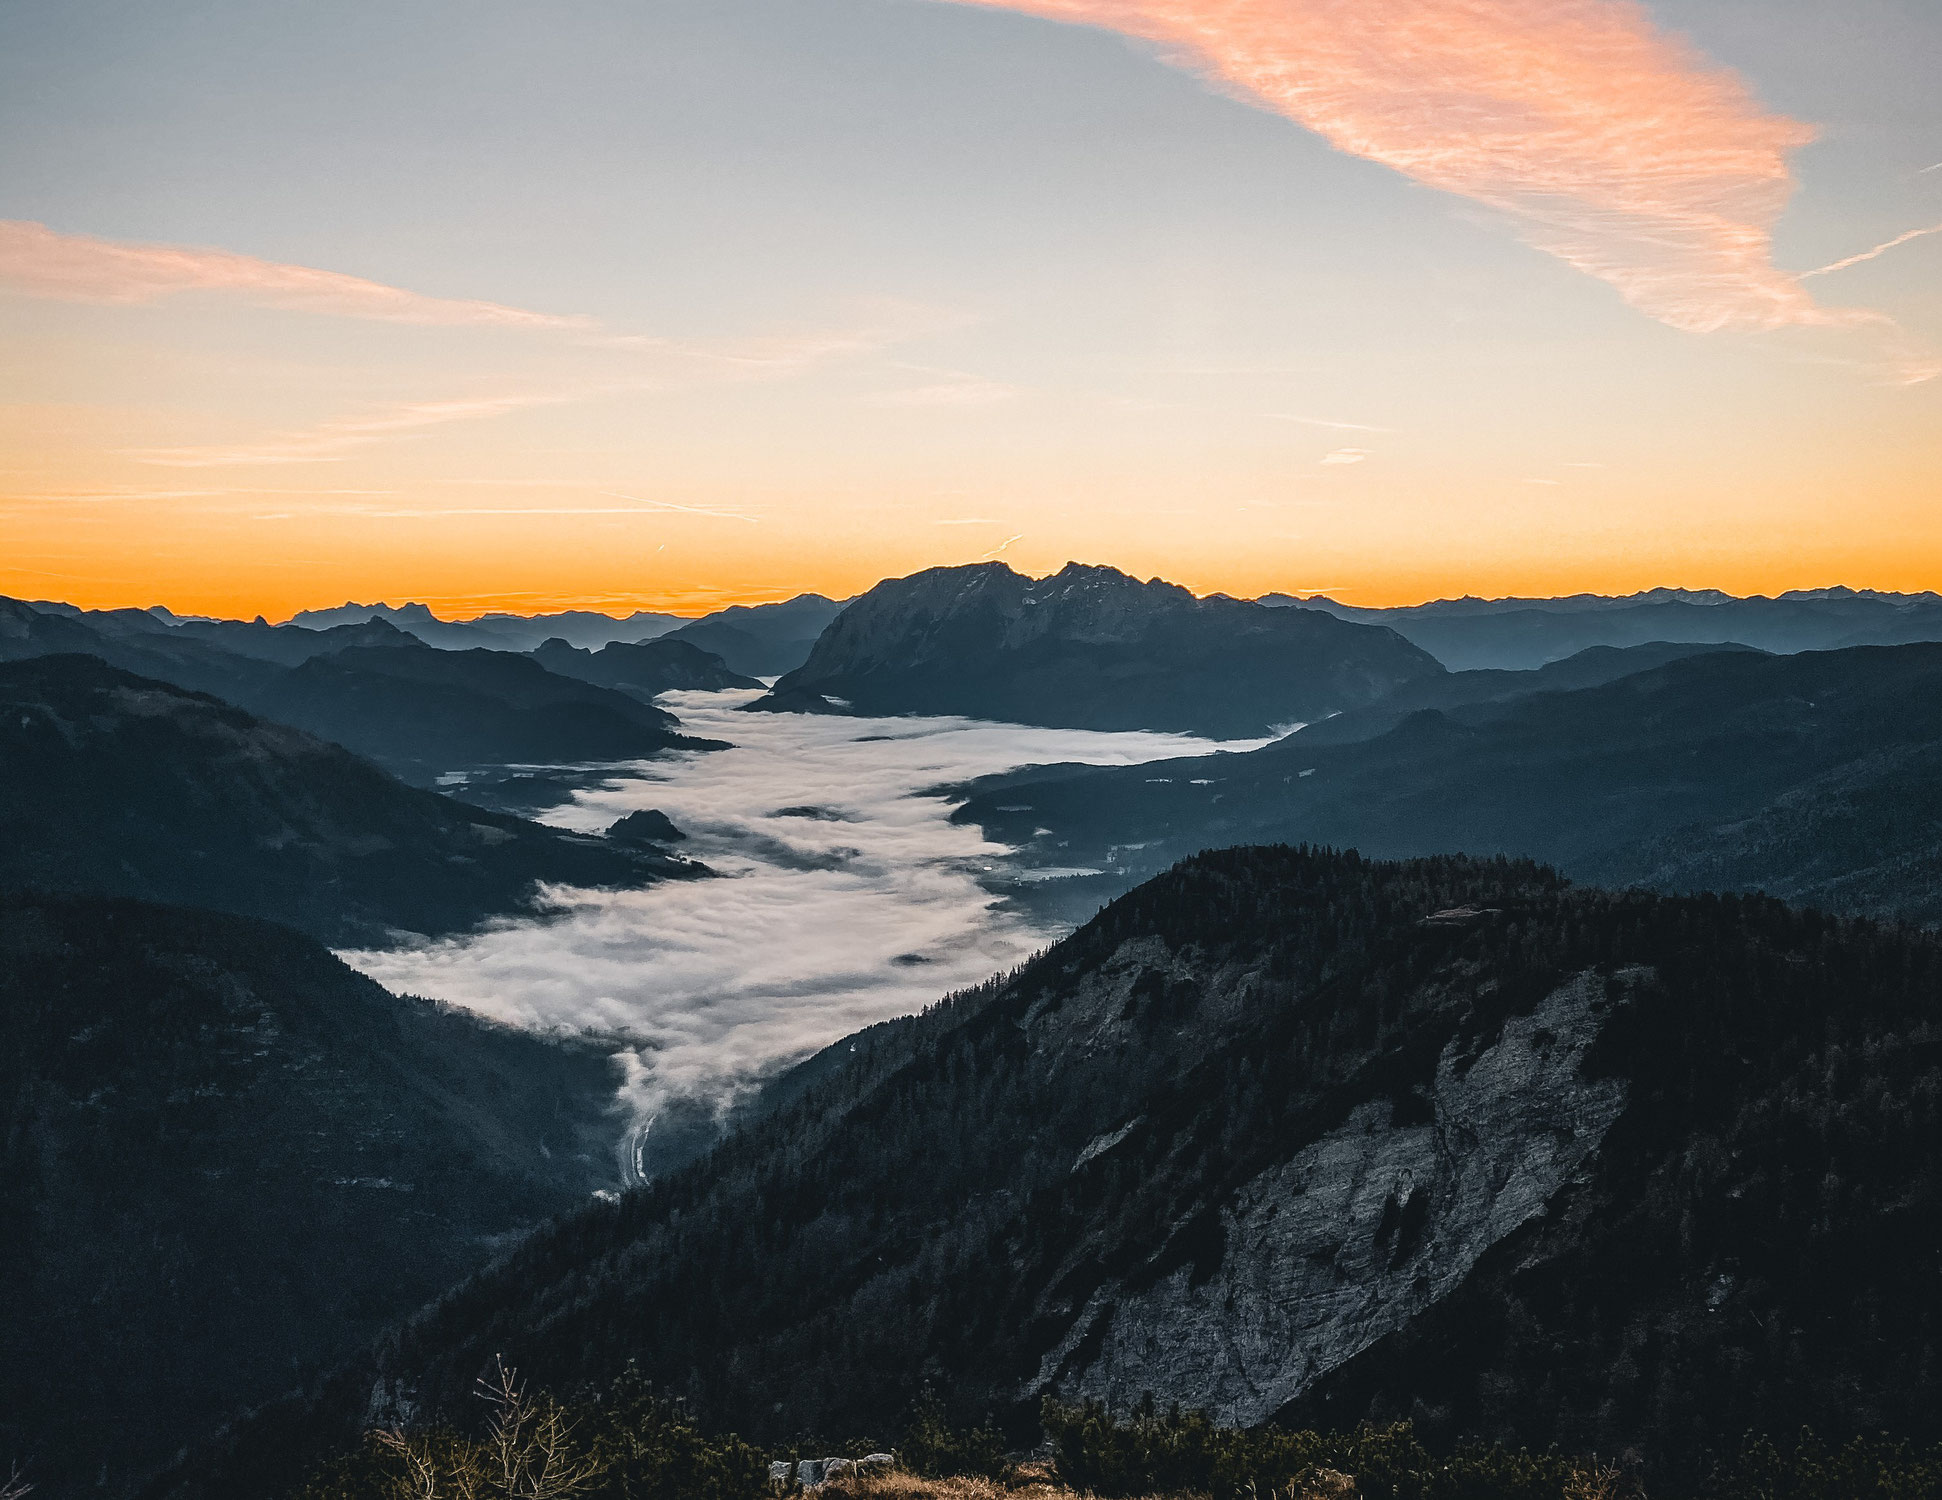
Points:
[(1388, 299)]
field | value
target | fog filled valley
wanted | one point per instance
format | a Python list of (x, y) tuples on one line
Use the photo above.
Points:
[(1179, 1044), (846, 895)]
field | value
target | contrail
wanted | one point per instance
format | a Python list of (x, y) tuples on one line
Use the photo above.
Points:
[(689, 510), (1879, 250)]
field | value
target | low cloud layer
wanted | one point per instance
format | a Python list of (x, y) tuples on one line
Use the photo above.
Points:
[(849, 897), (1610, 143)]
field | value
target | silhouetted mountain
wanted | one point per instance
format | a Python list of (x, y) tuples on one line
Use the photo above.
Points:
[(293, 645), (228, 1161), (1591, 667), (372, 687), (1811, 777), (28, 631), (1468, 633), (421, 712), (761, 640), (124, 785), (794, 700), (416, 619), (1090, 648), (577, 627), (1282, 1132), (643, 670)]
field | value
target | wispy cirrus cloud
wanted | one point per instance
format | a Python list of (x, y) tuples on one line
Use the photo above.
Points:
[(337, 439), (645, 365), (1875, 254), (37, 261), (1612, 144), (686, 510), (1346, 456), (944, 388), (43, 262), (1286, 416)]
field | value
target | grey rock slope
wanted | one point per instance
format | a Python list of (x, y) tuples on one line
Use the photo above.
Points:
[(1262, 1129), (1091, 648), (1359, 1233)]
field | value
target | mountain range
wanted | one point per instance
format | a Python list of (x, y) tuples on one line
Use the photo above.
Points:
[(756, 640), (418, 710), (1812, 777), (1287, 1132), (1091, 648), (1469, 633), (1284, 1133)]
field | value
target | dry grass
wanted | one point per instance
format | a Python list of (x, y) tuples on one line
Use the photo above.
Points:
[(1033, 1481)]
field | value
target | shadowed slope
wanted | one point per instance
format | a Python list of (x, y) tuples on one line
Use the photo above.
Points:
[(119, 784)]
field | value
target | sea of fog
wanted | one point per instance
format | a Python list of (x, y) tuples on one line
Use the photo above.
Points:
[(847, 897)]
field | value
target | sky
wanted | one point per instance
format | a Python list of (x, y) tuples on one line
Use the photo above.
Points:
[(679, 303)]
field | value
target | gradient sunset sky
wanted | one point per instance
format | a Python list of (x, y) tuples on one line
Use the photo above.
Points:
[(676, 303)]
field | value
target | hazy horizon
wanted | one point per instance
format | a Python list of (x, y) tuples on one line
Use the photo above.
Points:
[(620, 611)]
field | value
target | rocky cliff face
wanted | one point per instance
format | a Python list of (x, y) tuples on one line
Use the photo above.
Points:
[(1090, 647), (1360, 1232)]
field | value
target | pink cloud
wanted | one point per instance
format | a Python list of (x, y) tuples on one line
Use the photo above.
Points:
[(1610, 143), (42, 262)]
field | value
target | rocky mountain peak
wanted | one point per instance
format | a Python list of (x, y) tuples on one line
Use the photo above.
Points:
[(1092, 647)]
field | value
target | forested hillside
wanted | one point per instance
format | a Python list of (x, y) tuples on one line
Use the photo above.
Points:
[(227, 1160), (119, 784), (1811, 777)]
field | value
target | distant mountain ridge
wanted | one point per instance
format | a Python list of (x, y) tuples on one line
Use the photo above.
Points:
[(645, 669), (1091, 648), (1471, 633), (417, 619), (762, 640), (498, 630)]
